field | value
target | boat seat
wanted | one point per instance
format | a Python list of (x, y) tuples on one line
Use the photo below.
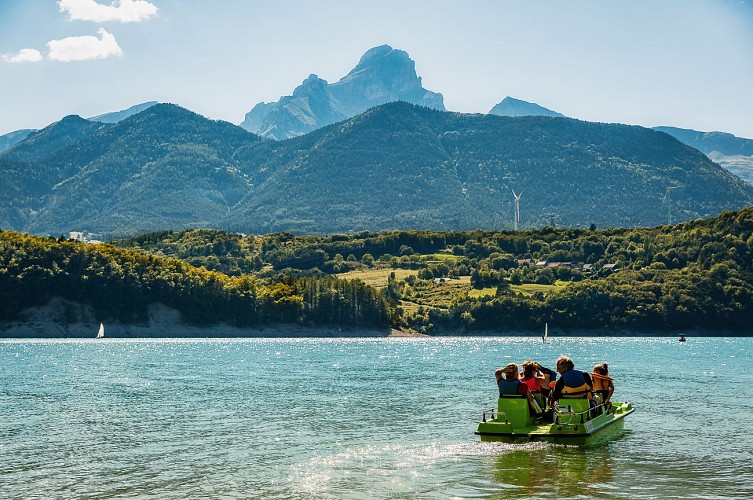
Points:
[(515, 409), (540, 399)]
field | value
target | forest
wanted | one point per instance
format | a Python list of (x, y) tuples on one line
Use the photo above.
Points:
[(692, 275), (697, 274), (120, 284)]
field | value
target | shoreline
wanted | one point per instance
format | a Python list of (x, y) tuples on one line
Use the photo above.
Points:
[(54, 321), (115, 330), (47, 329)]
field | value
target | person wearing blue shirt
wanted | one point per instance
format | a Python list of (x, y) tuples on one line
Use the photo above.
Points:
[(510, 385), (572, 383)]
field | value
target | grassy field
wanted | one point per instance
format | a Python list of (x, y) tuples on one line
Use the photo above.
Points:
[(526, 289), (529, 289), (436, 295), (377, 277), (409, 308), (482, 292), (431, 295), (438, 257)]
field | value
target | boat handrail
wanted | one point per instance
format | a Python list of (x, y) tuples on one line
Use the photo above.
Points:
[(560, 411), (491, 412), (568, 410)]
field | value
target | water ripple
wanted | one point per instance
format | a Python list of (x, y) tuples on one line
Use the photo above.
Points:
[(356, 418)]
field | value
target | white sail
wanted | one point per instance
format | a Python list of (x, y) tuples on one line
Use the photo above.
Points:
[(546, 332), (101, 332)]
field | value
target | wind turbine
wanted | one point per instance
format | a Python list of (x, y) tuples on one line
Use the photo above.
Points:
[(517, 208), (668, 200)]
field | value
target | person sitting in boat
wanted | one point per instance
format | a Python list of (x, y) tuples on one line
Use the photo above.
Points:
[(551, 377), (572, 383), (533, 378), (603, 385), (510, 385), (537, 382)]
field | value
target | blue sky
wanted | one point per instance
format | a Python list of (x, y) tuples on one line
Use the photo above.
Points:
[(686, 63)]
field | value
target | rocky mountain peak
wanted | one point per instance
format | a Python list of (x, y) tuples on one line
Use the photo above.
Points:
[(376, 53), (382, 75), (517, 107), (310, 85), (386, 62)]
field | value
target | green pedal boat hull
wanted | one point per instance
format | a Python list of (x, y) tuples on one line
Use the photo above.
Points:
[(573, 421)]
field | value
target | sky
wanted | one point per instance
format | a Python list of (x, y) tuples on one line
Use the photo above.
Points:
[(684, 63)]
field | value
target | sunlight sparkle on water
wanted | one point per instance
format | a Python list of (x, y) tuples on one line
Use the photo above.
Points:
[(357, 418)]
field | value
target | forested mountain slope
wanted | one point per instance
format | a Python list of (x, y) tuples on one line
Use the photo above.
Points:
[(407, 167), (165, 167), (396, 166)]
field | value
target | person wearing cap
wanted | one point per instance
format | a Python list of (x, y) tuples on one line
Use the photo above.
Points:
[(510, 385)]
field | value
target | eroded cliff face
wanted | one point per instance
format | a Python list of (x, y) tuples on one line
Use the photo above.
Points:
[(382, 75), (310, 107)]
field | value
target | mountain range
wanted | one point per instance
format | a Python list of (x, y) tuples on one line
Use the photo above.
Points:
[(163, 167), (515, 107), (7, 141), (117, 116), (731, 152), (394, 166), (710, 142), (358, 155), (382, 75)]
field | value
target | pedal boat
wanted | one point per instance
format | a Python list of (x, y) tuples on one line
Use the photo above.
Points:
[(574, 421)]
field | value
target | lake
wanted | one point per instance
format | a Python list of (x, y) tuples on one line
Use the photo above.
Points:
[(359, 418)]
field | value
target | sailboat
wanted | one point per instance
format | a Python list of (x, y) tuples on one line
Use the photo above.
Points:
[(101, 332), (546, 332)]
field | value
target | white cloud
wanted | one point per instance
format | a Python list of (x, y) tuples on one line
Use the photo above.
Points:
[(125, 11), (82, 48), (24, 55)]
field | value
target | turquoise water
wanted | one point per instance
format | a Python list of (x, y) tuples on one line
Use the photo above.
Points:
[(378, 418)]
